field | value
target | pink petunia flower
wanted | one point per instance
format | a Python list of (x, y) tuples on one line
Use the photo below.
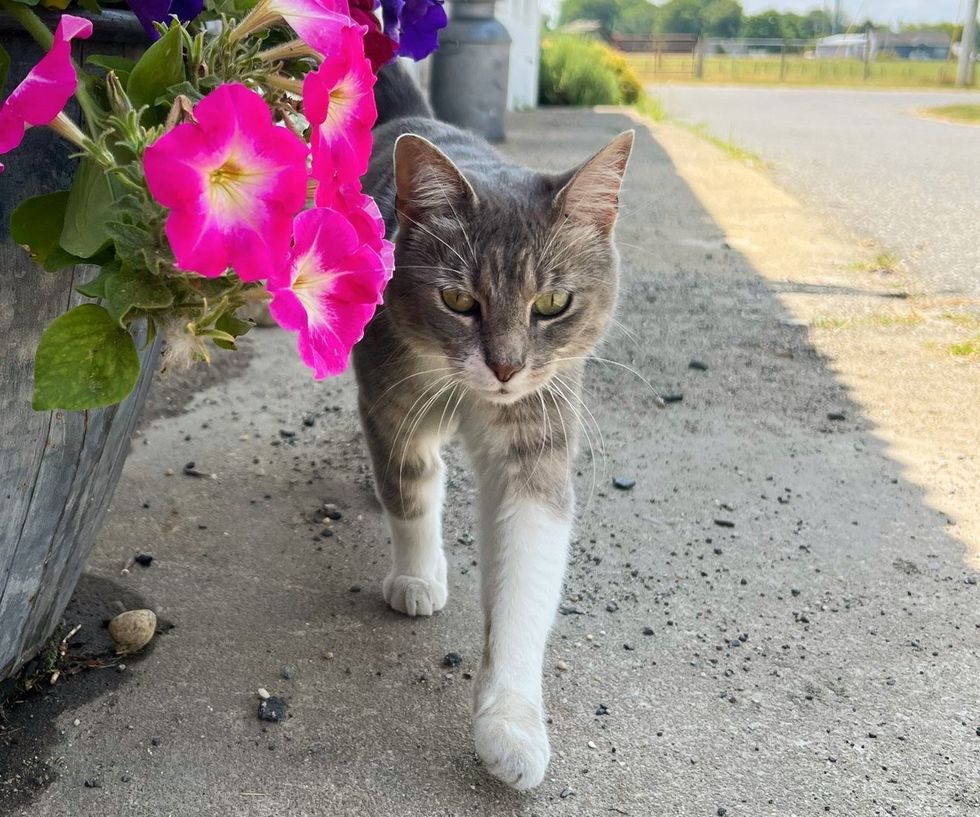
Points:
[(316, 22), (363, 214), (47, 87), (338, 102), (329, 290), (233, 181)]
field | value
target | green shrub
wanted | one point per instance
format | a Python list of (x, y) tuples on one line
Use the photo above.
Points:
[(574, 71), (630, 89)]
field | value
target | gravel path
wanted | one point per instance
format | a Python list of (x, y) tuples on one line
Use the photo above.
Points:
[(912, 184)]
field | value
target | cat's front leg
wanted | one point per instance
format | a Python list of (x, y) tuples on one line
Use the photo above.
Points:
[(524, 550), (409, 478)]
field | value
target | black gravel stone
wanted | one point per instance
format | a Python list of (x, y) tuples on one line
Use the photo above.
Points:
[(623, 483), (331, 511), (672, 398), (648, 631), (191, 471), (698, 365), (93, 783), (602, 709), (611, 607), (273, 709), (309, 421), (836, 415), (288, 672), (144, 559), (452, 659), (724, 523)]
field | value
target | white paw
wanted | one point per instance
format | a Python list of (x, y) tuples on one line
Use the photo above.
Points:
[(511, 739), (414, 595)]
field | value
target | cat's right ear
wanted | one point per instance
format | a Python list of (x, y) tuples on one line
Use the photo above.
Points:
[(427, 183)]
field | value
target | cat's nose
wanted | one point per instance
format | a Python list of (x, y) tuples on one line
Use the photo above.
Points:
[(505, 371)]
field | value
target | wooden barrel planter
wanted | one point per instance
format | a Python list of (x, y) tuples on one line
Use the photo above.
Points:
[(58, 469)]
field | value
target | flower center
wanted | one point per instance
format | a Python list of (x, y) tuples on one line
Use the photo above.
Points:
[(311, 284), (233, 187)]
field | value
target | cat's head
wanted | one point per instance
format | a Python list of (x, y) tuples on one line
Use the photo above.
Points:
[(508, 278)]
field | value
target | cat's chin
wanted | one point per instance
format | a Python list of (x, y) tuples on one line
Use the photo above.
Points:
[(503, 397)]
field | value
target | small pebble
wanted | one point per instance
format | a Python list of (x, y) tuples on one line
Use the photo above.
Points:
[(168, 472), (452, 659), (722, 811), (648, 631), (724, 523), (672, 398), (93, 783), (263, 693), (698, 365), (191, 471), (562, 666), (611, 607), (76, 722), (566, 793), (591, 744), (331, 511), (623, 483), (836, 415), (288, 672), (309, 421), (272, 709), (328, 655), (602, 709), (355, 588), (144, 559)]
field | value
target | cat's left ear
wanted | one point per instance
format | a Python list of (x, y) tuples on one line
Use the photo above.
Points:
[(591, 196)]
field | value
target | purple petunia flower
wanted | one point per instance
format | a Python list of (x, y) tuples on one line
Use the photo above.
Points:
[(159, 11), (414, 24)]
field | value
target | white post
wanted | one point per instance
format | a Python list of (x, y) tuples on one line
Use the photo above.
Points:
[(964, 76)]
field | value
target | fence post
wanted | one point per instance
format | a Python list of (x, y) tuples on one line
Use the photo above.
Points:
[(782, 62), (867, 52), (699, 58)]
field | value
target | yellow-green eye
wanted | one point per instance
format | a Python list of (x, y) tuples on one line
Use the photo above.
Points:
[(457, 300), (549, 304)]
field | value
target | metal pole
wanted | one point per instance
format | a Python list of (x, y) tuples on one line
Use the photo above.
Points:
[(782, 61), (964, 76)]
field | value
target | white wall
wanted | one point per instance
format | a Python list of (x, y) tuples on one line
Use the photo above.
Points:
[(522, 19)]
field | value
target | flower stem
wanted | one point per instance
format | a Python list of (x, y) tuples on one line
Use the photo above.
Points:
[(288, 50), (259, 17), (32, 24), (281, 83)]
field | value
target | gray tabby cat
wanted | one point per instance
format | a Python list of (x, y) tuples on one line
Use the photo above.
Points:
[(505, 281)]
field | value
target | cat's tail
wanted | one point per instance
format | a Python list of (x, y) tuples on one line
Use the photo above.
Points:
[(397, 95)]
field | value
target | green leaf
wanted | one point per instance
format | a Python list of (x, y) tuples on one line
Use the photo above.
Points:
[(227, 328), (128, 289), (36, 225), (90, 205), (123, 66), (96, 287), (27, 2), (4, 66), (161, 66), (129, 239), (84, 361)]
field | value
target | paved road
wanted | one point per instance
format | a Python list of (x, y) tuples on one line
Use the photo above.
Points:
[(910, 183)]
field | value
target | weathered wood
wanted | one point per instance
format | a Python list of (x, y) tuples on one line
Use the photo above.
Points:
[(57, 469)]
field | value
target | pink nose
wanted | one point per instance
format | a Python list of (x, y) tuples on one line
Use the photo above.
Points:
[(505, 371)]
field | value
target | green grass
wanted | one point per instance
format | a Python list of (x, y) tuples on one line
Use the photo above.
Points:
[(875, 319), (794, 71), (651, 108), (969, 114), (968, 348), (727, 146), (883, 262)]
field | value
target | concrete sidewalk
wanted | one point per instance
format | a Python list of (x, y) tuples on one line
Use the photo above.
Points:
[(775, 619)]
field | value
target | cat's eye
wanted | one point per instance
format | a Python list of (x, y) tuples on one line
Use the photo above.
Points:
[(458, 301), (549, 304)]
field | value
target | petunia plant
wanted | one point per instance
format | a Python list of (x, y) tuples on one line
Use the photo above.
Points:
[(222, 167)]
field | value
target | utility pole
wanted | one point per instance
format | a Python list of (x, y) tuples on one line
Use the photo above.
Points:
[(964, 76), (835, 23)]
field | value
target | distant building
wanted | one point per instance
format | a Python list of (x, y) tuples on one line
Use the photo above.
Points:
[(912, 45), (590, 29)]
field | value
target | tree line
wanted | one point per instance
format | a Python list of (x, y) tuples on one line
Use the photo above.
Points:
[(711, 18)]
